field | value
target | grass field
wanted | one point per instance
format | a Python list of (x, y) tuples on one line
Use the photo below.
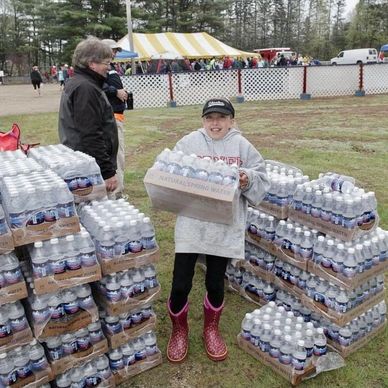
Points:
[(345, 135)]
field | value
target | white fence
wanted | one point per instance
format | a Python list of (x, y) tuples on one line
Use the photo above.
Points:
[(158, 90)]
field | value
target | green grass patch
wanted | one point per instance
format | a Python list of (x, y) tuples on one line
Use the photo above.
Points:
[(347, 135)]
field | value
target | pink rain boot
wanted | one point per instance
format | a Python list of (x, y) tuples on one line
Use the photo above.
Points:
[(178, 343), (214, 344)]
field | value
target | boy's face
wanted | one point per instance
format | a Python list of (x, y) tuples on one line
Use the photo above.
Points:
[(217, 125)]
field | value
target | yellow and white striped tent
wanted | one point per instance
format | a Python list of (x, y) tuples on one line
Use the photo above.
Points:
[(189, 45)]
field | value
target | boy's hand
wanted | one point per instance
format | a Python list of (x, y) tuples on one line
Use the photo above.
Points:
[(244, 181)]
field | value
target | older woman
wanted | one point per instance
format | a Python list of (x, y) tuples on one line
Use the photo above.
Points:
[(86, 121)]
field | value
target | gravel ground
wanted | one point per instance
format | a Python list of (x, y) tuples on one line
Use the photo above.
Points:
[(23, 99)]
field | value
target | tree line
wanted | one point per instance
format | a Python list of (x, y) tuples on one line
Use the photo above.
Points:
[(45, 32)]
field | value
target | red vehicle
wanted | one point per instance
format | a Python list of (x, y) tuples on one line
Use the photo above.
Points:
[(272, 54)]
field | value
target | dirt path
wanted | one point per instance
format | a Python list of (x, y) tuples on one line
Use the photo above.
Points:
[(22, 99)]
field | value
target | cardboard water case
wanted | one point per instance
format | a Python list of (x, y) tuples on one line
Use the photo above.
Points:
[(190, 197)]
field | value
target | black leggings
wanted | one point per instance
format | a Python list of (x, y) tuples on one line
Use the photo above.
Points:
[(182, 281), (36, 84)]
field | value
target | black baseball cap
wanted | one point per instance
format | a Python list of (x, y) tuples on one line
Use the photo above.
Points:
[(218, 105)]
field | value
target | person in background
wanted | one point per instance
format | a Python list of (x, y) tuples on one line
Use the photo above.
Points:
[(61, 78), (86, 121), (218, 139), (36, 79), (117, 96)]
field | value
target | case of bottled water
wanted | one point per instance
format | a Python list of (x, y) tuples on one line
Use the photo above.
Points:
[(12, 284), (61, 312), (14, 165), (119, 292), (349, 264), (195, 187), (255, 286), (284, 180), (67, 350), (136, 355), (62, 262), (123, 236), (95, 372), (326, 262), (24, 366), (79, 170), (119, 329), (334, 205), (14, 327), (38, 206), (285, 342), (349, 338)]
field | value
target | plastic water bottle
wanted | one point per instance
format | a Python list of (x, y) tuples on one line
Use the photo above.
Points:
[(8, 375), (162, 160), (87, 251), (56, 309), (349, 216), (255, 332), (150, 277), (306, 246), (246, 326), (134, 237), (70, 302), (316, 204), (103, 367), (318, 250), (54, 348), (106, 244), (275, 343), (337, 212), (230, 174), (299, 356), (55, 253), (215, 172), (37, 357), (148, 239), (285, 356), (327, 206), (113, 292), (307, 200), (17, 317), (320, 347), (128, 354), (187, 169), (92, 378), (337, 261), (11, 269), (201, 168), (350, 264), (336, 182), (150, 343), (116, 360), (95, 333), (140, 349), (298, 198), (112, 324), (22, 363), (174, 165)]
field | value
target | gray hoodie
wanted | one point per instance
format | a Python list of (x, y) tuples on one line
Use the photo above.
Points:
[(195, 236)]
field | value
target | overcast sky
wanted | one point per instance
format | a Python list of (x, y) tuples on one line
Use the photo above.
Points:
[(350, 4)]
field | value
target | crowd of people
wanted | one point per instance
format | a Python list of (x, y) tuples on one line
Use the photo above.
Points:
[(162, 66), (60, 74)]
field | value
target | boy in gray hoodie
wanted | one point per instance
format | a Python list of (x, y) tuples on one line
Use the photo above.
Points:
[(218, 139)]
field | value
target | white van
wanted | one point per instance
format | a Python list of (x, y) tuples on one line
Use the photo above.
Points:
[(357, 56)]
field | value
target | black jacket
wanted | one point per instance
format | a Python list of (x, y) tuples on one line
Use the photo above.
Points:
[(86, 121), (35, 76), (112, 83)]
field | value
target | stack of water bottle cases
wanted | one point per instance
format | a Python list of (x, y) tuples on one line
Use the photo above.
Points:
[(77, 275), (315, 259)]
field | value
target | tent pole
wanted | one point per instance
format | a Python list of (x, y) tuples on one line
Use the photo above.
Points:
[(130, 35)]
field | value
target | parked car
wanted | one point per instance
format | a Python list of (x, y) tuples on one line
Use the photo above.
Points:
[(356, 56)]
